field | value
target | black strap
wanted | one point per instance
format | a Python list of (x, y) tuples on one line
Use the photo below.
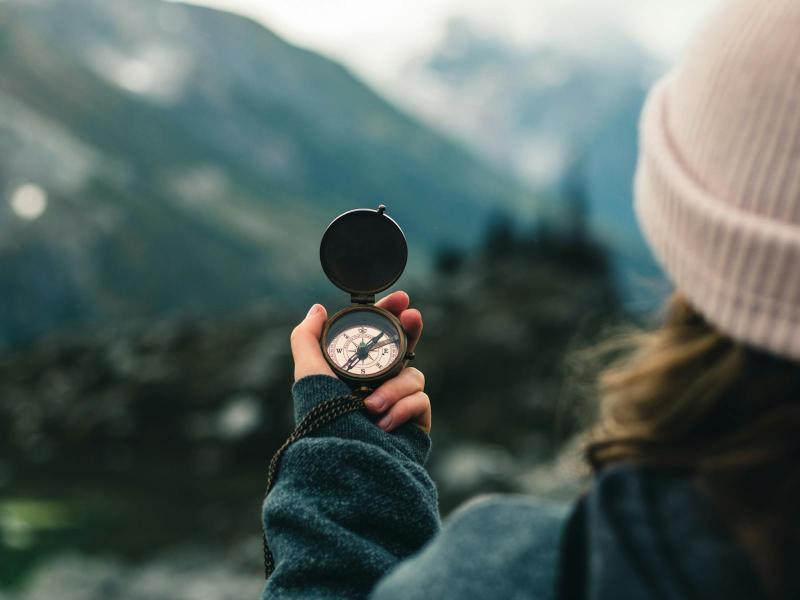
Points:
[(318, 416)]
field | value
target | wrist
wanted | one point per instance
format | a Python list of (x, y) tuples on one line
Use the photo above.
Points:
[(311, 390)]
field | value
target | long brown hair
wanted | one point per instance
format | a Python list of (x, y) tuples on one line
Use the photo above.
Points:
[(686, 395)]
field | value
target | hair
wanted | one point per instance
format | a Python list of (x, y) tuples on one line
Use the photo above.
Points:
[(686, 395)]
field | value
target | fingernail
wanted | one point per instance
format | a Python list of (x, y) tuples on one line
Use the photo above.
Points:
[(385, 422), (375, 401), (312, 311)]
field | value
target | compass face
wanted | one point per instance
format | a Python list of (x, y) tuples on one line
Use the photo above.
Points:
[(363, 343)]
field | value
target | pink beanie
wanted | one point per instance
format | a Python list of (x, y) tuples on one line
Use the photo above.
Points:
[(718, 179)]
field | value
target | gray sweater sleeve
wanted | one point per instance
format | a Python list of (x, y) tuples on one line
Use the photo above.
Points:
[(350, 501)]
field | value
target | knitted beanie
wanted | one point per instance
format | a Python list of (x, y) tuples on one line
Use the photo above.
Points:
[(718, 179)]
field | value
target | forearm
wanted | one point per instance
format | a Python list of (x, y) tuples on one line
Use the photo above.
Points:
[(349, 502)]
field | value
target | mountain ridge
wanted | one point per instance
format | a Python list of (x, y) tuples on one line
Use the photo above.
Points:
[(191, 160)]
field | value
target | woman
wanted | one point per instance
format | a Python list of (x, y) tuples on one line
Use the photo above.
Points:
[(697, 452)]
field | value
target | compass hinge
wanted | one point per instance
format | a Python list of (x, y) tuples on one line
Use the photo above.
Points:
[(362, 298)]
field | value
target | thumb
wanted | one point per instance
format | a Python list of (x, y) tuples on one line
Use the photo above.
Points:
[(306, 351)]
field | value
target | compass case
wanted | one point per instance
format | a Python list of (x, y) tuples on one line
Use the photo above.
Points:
[(366, 382), (363, 252)]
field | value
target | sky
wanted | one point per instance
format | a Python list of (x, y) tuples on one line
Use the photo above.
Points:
[(377, 37)]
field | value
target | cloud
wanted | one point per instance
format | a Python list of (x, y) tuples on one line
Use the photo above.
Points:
[(378, 38)]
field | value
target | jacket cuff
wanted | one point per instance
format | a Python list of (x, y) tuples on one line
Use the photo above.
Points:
[(312, 390), (408, 439)]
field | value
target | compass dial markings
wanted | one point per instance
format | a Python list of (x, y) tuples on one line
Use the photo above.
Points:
[(364, 350)]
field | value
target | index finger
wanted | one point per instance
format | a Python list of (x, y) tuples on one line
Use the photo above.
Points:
[(395, 303)]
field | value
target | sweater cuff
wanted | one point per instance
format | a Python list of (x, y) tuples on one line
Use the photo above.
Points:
[(312, 390), (408, 439)]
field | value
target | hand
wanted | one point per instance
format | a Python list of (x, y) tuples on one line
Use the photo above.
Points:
[(401, 398), (308, 358), (306, 351)]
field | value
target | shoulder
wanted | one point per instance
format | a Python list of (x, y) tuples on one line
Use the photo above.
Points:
[(494, 546), (509, 510), (511, 526)]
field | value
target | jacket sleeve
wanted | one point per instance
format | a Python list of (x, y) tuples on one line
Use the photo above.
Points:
[(350, 501)]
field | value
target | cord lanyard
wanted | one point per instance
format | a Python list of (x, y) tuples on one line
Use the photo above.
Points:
[(320, 415)]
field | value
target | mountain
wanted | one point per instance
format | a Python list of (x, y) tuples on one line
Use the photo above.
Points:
[(161, 158), (559, 114), (528, 108)]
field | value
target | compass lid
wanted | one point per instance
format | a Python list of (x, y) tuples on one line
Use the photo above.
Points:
[(363, 251)]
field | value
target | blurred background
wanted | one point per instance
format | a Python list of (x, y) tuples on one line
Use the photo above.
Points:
[(166, 173)]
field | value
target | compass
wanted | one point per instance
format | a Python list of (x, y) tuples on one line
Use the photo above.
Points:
[(364, 252)]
